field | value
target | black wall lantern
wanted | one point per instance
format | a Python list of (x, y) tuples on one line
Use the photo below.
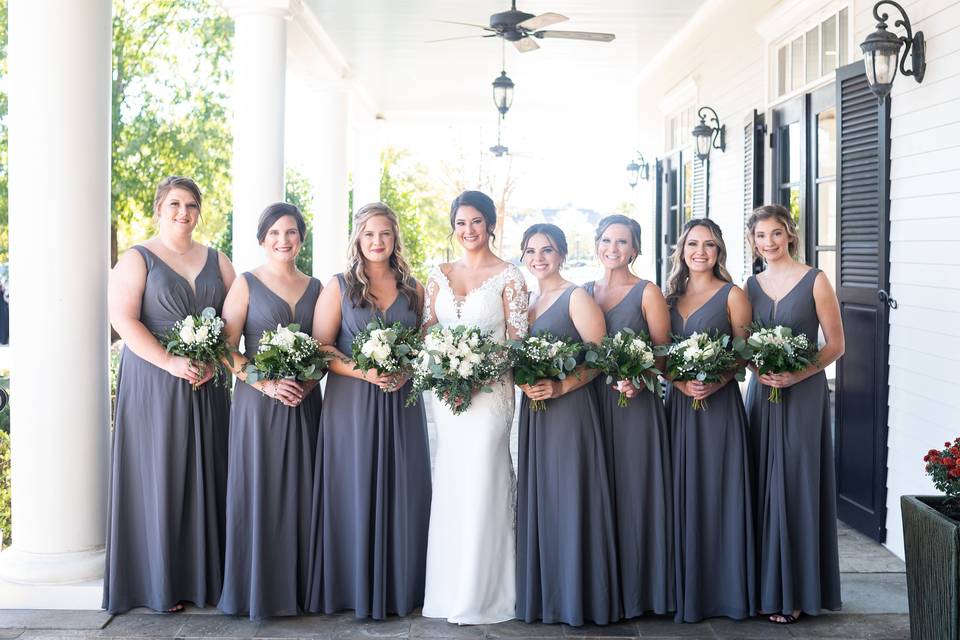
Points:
[(709, 136), (637, 170), (881, 52), (503, 93)]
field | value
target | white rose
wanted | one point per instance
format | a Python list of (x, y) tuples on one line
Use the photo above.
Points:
[(186, 332), (367, 348), (201, 334), (284, 338), (465, 369), (381, 353)]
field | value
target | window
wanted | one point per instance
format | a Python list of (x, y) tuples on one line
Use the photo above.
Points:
[(802, 60), (679, 126)]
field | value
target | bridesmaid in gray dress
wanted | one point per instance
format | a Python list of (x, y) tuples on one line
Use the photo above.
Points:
[(165, 522), (792, 444), (713, 514), (371, 504), (566, 546), (273, 434), (637, 438)]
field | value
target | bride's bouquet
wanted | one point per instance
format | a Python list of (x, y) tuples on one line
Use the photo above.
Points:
[(626, 355), (391, 350), (701, 357), (287, 353), (777, 350), (455, 362), (200, 338), (542, 356)]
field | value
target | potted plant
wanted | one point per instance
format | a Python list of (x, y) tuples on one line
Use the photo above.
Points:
[(931, 540)]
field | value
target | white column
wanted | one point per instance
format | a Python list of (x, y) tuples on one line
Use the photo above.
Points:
[(331, 205), (59, 88), (259, 55), (366, 163)]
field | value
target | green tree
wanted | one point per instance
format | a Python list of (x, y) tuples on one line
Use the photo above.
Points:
[(406, 188), (297, 191), (171, 77)]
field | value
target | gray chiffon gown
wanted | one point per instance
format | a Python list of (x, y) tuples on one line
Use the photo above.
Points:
[(792, 449), (371, 504), (713, 513), (566, 545), (270, 479), (165, 521), (637, 445)]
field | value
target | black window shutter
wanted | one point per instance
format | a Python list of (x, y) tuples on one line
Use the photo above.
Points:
[(863, 181), (753, 132)]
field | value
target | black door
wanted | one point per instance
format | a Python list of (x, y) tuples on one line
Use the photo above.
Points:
[(862, 240)]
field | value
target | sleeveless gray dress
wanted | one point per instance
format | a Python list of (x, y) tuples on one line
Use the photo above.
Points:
[(270, 479), (792, 449), (713, 513), (566, 545), (165, 521), (638, 460), (371, 501)]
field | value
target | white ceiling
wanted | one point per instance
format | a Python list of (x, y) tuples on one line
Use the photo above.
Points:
[(384, 42)]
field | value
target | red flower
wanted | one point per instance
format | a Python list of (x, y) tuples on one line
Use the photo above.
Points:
[(954, 473), (946, 444), (946, 461)]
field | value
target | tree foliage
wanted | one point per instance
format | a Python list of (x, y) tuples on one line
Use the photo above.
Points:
[(171, 73), (406, 188)]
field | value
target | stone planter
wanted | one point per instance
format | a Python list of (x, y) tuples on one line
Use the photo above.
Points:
[(931, 543)]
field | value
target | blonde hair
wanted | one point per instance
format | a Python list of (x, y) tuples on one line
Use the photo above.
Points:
[(355, 276), (782, 215), (680, 272)]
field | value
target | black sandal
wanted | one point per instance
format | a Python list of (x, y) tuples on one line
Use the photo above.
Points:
[(788, 618)]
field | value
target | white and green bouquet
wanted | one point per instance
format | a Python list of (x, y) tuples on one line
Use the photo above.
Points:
[(543, 356), (200, 338), (391, 350), (287, 353), (454, 362), (703, 357), (777, 350), (626, 355)]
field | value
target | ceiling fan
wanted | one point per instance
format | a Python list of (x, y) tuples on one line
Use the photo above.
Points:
[(521, 28)]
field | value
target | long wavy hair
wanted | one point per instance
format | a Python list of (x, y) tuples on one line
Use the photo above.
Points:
[(358, 284), (680, 273)]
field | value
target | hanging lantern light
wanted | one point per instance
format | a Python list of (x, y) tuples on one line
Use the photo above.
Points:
[(503, 93)]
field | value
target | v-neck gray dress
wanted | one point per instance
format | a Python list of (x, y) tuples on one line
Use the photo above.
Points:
[(371, 501), (165, 521), (638, 460), (270, 479), (713, 513), (566, 545), (792, 448)]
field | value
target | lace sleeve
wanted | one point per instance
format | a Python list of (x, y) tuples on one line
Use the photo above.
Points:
[(515, 304), (429, 314)]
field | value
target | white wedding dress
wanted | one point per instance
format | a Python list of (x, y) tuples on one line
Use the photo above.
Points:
[(471, 548)]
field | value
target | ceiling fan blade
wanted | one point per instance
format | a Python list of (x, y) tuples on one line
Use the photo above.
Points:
[(576, 35), (525, 44), (459, 38), (465, 24), (541, 21)]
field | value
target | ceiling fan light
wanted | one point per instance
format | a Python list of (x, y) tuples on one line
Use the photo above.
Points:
[(503, 93)]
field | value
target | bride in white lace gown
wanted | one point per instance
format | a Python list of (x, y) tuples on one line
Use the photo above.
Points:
[(471, 547)]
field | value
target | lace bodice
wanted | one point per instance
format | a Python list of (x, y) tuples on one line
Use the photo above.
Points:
[(498, 305)]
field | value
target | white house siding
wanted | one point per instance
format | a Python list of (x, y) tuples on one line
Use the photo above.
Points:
[(724, 54)]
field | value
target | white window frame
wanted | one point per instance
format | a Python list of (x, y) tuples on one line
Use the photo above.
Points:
[(781, 27)]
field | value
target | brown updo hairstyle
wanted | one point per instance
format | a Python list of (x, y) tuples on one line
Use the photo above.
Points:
[(626, 221), (355, 277), (479, 201), (558, 240), (276, 211), (782, 215), (175, 182), (680, 273)]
